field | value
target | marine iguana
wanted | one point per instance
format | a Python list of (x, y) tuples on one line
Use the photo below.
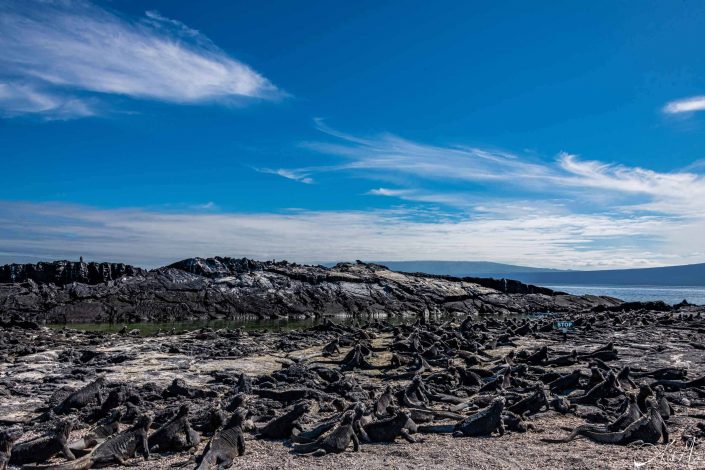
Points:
[(355, 359), (415, 395), (514, 422), (290, 395), (561, 404), (531, 403), (281, 427), (664, 406), (648, 429), (383, 402), (103, 429), (175, 435), (484, 422), (179, 388), (481, 423), (629, 416), (624, 378), (227, 444), (539, 357), (606, 389), (116, 449), (332, 348), (7, 440), (666, 373), (565, 360), (388, 429), (605, 353), (675, 385), (645, 392), (499, 382), (45, 447), (335, 442), (82, 397), (418, 415)]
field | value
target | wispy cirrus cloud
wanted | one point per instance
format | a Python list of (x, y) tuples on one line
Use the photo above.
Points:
[(296, 175), (18, 98), (390, 192), (567, 177), (685, 105), (54, 50)]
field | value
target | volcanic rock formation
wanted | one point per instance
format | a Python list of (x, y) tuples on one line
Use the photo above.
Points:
[(220, 288)]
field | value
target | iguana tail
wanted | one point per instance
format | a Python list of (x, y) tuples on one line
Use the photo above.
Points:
[(603, 437), (84, 463), (579, 431), (207, 462), (305, 448), (437, 429)]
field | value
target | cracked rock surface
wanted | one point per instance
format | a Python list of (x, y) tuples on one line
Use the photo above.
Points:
[(226, 288)]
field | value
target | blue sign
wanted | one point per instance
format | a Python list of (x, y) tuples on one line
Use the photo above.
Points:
[(563, 325)]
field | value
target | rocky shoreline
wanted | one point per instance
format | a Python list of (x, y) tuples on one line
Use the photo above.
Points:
[(438, 374), (223, 288)]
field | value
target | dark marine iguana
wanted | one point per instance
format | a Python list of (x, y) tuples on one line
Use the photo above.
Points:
[(7, 440), (388, 429), (484, 422), (175, 435), (335, 442), (383, 402), (116, 449), (647, 429), (227, 444), (481, 423), (630, 415), (45, 447), (99, 433), (281, 427), (82, 397), (608, 388), (532, 403)]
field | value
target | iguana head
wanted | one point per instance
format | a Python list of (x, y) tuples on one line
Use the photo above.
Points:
[(498, 403), (183, 409), (64, 427), (359, 410), (8, 438), (144, 421), (645, 391), (302, 407), (237, 418), (660, 391), (347, 417)]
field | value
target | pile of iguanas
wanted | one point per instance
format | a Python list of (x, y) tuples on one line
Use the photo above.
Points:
[(464, 379)]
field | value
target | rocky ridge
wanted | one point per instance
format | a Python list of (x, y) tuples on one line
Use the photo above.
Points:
[(222, 288)]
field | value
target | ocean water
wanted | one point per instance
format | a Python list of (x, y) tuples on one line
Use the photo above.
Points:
[(670, 295)]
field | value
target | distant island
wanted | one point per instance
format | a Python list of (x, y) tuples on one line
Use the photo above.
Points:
[(686, 275)]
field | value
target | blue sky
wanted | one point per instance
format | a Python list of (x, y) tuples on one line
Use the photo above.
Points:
[(551, 134)]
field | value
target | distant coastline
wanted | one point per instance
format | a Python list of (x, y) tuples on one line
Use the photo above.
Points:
[(669, 294), (692, 275)]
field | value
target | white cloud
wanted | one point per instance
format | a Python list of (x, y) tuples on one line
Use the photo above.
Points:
[(73, 45), (17, 99), (545, 236), (297, 175), (685, 105), (389, 192), (434, 168)]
